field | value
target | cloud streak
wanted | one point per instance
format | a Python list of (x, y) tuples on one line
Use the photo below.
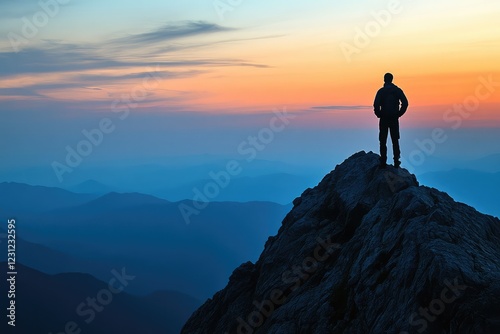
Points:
[(68, 57), (112, 63), (339, 107), (91, 82), (126, 52), (173, 31)]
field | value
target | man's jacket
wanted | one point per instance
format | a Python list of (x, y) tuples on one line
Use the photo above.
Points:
[(390, 102)]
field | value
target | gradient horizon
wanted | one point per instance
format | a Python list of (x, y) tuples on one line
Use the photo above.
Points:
[(218, 70)]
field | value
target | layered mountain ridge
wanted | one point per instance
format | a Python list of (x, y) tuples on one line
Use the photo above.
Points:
[(368, 250)]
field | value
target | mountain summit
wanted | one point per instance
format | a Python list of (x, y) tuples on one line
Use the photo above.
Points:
[(368, 250)]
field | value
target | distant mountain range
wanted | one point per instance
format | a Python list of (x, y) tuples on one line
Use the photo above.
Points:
[(479, 189), (71, 234), (487, 164), (50, 261), (165, 178), (279, 188), (18, 197), (174, 179), (51, 303), (91, 187), (68, 231)]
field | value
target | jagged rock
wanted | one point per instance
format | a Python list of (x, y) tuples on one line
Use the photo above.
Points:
[(368, 250)]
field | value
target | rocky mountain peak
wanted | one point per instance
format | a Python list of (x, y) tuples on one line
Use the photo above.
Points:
[(367, 250)]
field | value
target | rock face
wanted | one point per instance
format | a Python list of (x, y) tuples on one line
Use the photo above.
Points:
[(368, 250)]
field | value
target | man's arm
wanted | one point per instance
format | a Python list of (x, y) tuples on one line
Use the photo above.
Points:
[(404, 103), (377, 104)]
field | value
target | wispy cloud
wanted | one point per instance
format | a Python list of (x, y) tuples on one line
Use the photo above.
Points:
[(20, 92), (164, 75), (197, 45), (339, 107), (173, 31), (56, 56), (68, 57), (91, 82), (75, 70)]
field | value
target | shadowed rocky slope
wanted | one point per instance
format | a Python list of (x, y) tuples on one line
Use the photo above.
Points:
[(368, 250)]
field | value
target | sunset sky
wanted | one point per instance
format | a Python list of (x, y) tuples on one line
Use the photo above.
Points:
[(209, 57)]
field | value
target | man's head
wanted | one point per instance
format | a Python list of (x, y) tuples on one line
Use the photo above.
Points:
[(388, 77)]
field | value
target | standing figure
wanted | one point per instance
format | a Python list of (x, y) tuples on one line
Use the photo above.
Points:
[(390, 104)]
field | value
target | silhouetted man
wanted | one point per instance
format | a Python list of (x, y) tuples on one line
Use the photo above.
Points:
[(390, 104)]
